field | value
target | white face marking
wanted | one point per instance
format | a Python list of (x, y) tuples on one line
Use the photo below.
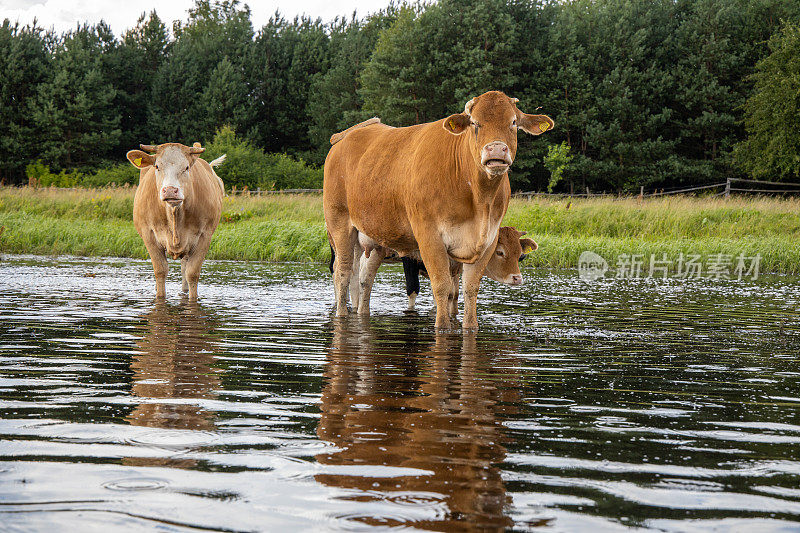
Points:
[(172, 171)]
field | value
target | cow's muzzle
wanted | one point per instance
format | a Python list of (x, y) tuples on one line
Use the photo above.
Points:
[(513, 279), (172, 195), (495, 157)]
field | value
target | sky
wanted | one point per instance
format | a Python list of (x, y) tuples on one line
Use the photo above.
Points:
[(121, 15)]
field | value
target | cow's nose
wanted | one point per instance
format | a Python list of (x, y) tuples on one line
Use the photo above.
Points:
[(497, 147), (516, 279), (169, 192)]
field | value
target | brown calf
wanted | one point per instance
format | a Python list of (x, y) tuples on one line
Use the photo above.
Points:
[(502, 267)]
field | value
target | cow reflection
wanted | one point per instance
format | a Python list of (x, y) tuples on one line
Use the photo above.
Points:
[(404, 405), (174, 363)]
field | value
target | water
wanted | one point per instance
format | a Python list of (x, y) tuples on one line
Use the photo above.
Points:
[(619, 405)]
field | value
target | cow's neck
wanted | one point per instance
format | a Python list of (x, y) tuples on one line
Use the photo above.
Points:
[(175, 219)]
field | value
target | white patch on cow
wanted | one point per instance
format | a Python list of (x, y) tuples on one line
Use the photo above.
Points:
[(463, 241), (171, 169)]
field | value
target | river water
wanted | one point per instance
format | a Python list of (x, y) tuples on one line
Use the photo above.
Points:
[(616, 405)]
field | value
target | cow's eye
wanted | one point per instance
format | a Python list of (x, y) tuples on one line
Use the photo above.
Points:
[(186, 169), (500, 253), (514, 123), (158, 168)]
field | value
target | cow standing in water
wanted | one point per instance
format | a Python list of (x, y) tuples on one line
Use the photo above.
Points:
[(439, 189), (176, 209), (503, 267)]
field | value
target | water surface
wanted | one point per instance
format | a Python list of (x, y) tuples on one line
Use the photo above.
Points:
[(617, 405)]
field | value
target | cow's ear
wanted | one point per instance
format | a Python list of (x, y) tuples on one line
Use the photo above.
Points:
[(140, 159), (456, 124), (535, 124), (528, 245), (194, 153)]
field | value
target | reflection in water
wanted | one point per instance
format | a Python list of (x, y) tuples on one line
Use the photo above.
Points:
[(434, 409), (619, 405), (175, 363)]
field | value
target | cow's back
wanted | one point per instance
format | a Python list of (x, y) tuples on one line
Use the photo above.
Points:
[(376, 174)]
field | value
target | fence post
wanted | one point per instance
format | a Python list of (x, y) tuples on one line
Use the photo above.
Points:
[(587, 192), (641, 192), (727, 188)]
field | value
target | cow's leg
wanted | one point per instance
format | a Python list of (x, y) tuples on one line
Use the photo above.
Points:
[(194, 263), (437, 263), (160, 267), (184, 282), (355, 294), (344, 237), (367, 276), (454, 294), (411, 271), (472, 281)]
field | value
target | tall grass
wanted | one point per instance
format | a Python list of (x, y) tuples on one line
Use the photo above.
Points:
[(292, 228)]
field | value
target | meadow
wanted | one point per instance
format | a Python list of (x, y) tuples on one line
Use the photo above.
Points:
[(97, 222)]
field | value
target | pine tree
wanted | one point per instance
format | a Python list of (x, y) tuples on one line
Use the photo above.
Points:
[(224, 100), (334, 102), (772, 113), (286, 58), (75, 110), (25, 64), (214, 30), (133, 67)]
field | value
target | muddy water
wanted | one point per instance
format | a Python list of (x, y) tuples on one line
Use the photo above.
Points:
[(618, 405)]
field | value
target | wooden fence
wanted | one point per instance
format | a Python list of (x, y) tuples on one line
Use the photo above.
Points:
[(259, 192), (727, 187)]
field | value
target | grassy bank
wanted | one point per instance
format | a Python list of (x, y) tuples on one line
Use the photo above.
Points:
[(291, 228)]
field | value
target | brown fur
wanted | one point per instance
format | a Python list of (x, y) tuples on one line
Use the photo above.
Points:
[(182, 232), (336, 137), (424, 188)]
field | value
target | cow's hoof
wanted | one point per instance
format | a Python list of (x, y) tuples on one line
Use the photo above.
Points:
[(444, 326)]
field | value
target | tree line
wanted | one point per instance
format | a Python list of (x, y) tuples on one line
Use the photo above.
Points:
[(653, 93)]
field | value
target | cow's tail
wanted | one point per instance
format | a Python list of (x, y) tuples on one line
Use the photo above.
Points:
[(215, 163), (336, 137)]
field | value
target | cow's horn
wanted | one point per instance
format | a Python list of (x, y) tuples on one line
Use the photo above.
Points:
[(196, 150), (147, 147), (468, 106), (514, 100)]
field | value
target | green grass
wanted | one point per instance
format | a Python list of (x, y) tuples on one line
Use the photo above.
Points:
[(291, 227)]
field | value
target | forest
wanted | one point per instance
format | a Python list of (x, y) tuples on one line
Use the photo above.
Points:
[(652, 93)]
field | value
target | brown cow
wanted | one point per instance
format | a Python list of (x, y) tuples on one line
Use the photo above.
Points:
[(503, 267), (439, 188), (176, 209)]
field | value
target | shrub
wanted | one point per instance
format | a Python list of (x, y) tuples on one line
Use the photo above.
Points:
[(557, 161), (119, 174), (248, 166), (39, 175)]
